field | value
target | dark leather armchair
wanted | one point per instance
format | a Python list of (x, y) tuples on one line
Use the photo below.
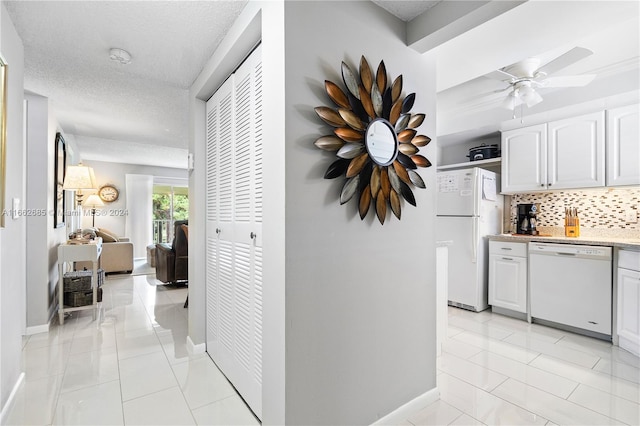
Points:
[(172, 261)]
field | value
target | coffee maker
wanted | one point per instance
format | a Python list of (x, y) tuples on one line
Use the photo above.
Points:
[(527, 220)]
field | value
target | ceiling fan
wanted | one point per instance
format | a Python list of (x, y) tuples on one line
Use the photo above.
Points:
[(527, 76)]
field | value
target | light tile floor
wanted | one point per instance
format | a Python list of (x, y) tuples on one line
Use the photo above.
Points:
[(132, 367)]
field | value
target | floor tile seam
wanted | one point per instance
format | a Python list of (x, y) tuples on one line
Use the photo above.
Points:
[(637, 402), (597, 353), (492, 340), (85, 386), (496, 372), (146, 394), (568, 401), (523, 346), (534, 367), (610, 416), (528, 410)]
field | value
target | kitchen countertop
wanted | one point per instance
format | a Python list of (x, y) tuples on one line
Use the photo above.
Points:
[(627, 243)]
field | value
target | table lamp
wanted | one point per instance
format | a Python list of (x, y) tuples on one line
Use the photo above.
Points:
[(93, 201), (78, 178)]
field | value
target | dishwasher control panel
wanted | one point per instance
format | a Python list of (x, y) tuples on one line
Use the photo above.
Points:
[(570, 250)]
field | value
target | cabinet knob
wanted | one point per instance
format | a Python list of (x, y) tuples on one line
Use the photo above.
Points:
[(507, 258), (549, 184), (542, 185)]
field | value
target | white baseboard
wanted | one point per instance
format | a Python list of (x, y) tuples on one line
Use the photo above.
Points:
[(400, 414), (44, 328), (194, 349), (7, 407)]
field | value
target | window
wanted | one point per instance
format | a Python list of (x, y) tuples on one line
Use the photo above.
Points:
[(170, 203)]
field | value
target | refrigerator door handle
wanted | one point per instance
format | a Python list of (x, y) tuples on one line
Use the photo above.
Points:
[(474, 239)]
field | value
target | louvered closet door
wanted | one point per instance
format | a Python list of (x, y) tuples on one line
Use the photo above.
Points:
[(234, 230)]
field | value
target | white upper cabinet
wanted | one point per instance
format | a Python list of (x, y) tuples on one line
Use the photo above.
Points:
[(623, 146), (559, 155), (524, 159), (575, 154)]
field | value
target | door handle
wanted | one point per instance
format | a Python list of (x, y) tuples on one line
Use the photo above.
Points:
[(218, 230), (507, 258), (507, 248), (253, 235)]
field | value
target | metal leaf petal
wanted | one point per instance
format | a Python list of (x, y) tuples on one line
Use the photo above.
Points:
[(396, 109), (381, 77), (351, 119), (416, 179), (376, 99), (406, 161), (421, 161), (408, 149), (365, 74), (393, 179), (350, 80), (330, 116), (416, 120), (365, 202), (407, 194), (401, 172), (421, 140), (337, 168), (385, 185), (375, 181), (407, 104), (386, 103), (394, 200), (336, 94), (396, 88), (367, 104), (402, 123), (365, 175), (357, 164), (405, 136), (357, 108), (349, 189), (381, 207), (329, 143), (351, 150), (347, 134)]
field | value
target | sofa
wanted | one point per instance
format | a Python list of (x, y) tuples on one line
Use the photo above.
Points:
[(117, 253), (172, 261)]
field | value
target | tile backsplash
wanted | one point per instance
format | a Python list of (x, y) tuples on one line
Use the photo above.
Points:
[(603, 211)]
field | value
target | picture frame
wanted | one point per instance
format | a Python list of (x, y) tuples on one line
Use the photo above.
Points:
[(3, 137), (60, 169)]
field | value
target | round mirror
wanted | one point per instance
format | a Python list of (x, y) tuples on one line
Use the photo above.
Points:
[(381, 142)]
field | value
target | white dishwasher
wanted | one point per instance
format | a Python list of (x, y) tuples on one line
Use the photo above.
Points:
[(571, 285)]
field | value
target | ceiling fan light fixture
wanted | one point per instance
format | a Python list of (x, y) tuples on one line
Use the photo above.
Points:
[(120, 55)]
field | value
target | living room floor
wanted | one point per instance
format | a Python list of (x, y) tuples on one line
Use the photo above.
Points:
[(132, 367)]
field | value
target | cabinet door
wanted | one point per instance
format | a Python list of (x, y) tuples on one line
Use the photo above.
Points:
[(524, 154), (623, 146), (575, 154), (629, 309), (508, 282)]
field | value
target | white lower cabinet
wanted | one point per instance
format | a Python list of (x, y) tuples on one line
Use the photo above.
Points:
[(628, 328), (508, 275)]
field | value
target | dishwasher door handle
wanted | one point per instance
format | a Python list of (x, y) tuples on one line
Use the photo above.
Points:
[(559, 253)]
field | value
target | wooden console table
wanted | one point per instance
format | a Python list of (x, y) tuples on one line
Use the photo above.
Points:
[(74, 253)]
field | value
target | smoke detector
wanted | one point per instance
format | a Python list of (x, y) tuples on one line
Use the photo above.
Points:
[(120, 55)]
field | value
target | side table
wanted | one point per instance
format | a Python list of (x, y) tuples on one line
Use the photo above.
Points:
[(73, 253)]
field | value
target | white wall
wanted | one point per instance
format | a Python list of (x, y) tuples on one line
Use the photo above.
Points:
[(360, 297), (111, 216), (13, 236), (349, 306)]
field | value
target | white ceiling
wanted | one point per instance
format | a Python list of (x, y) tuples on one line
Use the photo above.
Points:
[(138, 113)]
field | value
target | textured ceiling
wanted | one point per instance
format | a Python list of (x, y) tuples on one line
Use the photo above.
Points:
[(115, 110)]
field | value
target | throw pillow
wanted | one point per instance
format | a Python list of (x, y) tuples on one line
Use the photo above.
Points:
[(107, 236)]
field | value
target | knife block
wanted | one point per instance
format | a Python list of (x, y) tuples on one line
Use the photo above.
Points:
[(572, 230)]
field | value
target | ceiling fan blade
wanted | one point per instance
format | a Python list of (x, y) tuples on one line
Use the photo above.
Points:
[(501, 75), (568, 80), (562, 61)]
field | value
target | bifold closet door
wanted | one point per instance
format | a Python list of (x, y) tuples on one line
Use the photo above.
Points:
[(234, 230)]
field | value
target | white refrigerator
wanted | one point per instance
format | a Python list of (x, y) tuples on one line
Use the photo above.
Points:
[(469, 208)]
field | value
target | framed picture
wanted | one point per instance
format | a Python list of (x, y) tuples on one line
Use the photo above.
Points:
[(58, 193), (3, 136)]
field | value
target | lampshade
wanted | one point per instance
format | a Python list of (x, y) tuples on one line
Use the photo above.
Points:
[(93, 201), (79, 177)]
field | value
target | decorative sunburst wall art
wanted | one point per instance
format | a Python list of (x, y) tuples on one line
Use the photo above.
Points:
[(375, 139)]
